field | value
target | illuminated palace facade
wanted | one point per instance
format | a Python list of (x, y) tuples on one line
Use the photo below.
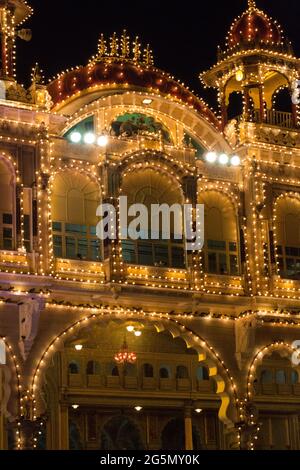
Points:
[(141, 344)]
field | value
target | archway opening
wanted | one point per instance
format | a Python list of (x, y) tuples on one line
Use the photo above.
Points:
[(121, 433)]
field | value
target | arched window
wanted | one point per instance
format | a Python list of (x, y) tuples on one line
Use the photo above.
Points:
[(280, 377), (294, 377), (266, 376), (112, 369), (235, 105), (164, 372), (221, 251), (7, 191), (74, 367), (148, 370), (182, 372), (282, 100), (202, 373), (75, 199), (288, 237), (93, 368), (155, 247)]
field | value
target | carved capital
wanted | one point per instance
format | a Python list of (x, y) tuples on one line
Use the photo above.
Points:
[(29, 315)]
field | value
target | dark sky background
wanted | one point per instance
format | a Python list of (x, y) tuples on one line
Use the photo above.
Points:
[(183, 35)]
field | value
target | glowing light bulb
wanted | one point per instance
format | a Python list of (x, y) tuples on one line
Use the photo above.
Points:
[(75, 407), (138, 408), (89, 138), (78, 347), (223, 159), (239, 76), (102, 140), (235, 160), (75, 137), (147, 101), (138, 333), (130, 328), (211, 157)]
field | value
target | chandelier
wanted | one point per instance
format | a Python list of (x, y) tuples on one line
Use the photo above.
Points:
[(124, 356)]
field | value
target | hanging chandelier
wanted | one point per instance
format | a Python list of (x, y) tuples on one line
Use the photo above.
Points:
[(124, 356)]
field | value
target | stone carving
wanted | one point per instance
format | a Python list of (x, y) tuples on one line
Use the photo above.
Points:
[(29, 315), (244, 339)]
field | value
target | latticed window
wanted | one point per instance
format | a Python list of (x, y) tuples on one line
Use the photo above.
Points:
[(6, 207), (153, 253), (73, 241), (74, 205), (6, 230), (220, 254), (221, 257), (149, 187), (288, 238)]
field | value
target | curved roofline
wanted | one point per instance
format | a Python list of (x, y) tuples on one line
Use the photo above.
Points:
[(80, 81)]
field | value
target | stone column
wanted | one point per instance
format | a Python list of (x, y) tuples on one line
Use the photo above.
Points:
[(261, 104), (63, 427), (188, 428), (19, 241)]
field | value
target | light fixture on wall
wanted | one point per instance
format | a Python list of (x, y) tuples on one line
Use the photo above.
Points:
[(222, 159), (89, 138), (130, 328), (138, 408), (198, 410), (147, 101), (239, 75), (75, 407), (138, 333), (75, 137), (102, 140), (78, 347)]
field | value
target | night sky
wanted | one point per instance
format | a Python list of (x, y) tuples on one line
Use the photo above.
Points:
[(183, 35)]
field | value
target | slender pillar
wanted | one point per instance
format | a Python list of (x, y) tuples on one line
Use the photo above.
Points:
[(63, 427), (223, 110), (247, 103), (294, 116), (188, 428), (261, 104)]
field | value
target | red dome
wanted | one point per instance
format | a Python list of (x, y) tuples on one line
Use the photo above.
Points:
[(254, 26)]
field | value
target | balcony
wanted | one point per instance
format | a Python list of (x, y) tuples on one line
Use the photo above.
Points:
[(275, 118)]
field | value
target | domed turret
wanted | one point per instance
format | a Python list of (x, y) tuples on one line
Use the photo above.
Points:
[(255, 70), (255, 27)]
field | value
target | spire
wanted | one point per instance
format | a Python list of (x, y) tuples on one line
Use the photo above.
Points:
[(251, 4)]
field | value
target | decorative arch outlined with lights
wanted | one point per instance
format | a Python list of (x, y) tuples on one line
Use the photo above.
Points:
[(226, 388)]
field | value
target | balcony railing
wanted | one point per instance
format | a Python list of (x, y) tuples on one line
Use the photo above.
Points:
[(275, 118)]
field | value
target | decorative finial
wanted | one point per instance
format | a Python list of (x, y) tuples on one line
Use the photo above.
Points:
[(102, 48), (125, 45), (122, 49), (251, 4), (148, 56), (136, 50), (37, 77), (114, 45)]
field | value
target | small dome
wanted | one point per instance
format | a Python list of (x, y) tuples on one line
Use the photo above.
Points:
[(254, 26)]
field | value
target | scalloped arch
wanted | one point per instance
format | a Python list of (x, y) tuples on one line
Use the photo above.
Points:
[(225, 388)]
